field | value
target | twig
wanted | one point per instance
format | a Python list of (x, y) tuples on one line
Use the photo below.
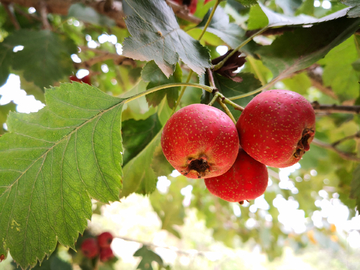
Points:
[(104, 55), (335, 108), (43, 14), (186, 253), (12, 17), (209, 19), (344, 155), (315, 74), (220, 64), (108, 5), (30, 17), (355, 136)]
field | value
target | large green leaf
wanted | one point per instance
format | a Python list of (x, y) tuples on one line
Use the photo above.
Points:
[(340, 75), (6, 51), (51, 164), (156, 35), (230, 88), (261, 16), (45, 58), (302, 47)]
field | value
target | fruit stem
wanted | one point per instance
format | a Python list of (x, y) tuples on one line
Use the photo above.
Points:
[(191, 72), (252, 92), (236, 106), (216, 95), (220, 64), (209, 19), (169, 85), (182, 92), (226, 109)]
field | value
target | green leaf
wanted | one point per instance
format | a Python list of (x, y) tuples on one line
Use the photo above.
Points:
[(4, 111), (340, 75), (169, 206), (6, 53), (261, 16), (45, 58), (157, 36), (152, 73), (302, 47), (52, 163), (148, 256), (137, 134), (354, 12), (230, 88), (247, 3), (289, 6), (355, 187), (138, 175), (220, 26), (89, 15)]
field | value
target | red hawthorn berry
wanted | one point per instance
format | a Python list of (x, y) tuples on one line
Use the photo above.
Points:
[(90, 248), (85, 79), (106, 254), (200, 141), (277, 127), (104, 239), (247, 179)]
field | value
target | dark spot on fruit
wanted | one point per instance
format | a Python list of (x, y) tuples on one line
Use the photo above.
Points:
[(304, 143), (200, 165)]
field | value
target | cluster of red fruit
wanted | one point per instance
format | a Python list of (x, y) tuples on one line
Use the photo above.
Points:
[(92, 247), (275, 129)]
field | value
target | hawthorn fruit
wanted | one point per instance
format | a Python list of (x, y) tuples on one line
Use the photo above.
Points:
[(104, 239), (200, 141), (90, 248), (247, 179), (85, 79), (106, 254), (277, 127)]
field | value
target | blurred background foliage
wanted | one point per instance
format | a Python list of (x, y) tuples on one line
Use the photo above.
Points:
[(305, 220)]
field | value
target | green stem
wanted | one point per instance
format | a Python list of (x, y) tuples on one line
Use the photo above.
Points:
[(157, 88), (251, 93), (209, 19), (191, 72), (236, 106), (216, 95), (182, 92), (226, 109), (220, 64)]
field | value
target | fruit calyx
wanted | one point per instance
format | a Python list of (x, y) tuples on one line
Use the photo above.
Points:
[(304, 143), (200, 165)]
